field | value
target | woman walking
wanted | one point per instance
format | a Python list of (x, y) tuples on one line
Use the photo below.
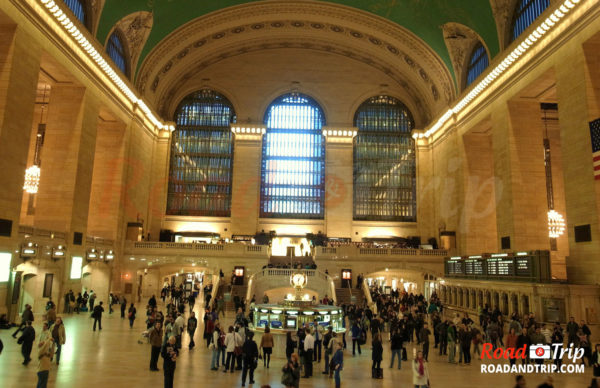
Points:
[(58, 335), (291, 372), (266, 344), (420, 371), (131, 315)]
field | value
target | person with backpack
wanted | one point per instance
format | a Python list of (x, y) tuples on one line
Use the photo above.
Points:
[(97, 315), (250, 356), (356, 336)]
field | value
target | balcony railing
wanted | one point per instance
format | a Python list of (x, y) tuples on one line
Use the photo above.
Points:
[(149, 247), (353, 251)]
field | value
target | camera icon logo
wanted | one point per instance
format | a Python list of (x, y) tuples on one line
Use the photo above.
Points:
[(539, 352)]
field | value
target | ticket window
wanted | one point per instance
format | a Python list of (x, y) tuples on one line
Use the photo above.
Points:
[(276, 320), (291, 322), (346, 278), (263, 320), (239, 276)]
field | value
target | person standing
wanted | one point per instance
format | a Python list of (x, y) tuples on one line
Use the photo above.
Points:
[(97, 315), (178, 328), (27, 316), (328, 340), (266, 344), (309, 346), (420, 371), (155, 337), (58, 336), (396, 347), (290, 345), (250, 354), (230, 344), (451, 342), (318, 334), (465, 344), (45, 351), (169, 354), (291, 372), (511, 342), (123, 306), (130, 314), (356, 333), (377, 356), (92, 300), (209, 327), (26, 341), (424, 339), (595, 361), (572, 329), (337, 364), (192, 323), (215, 347)]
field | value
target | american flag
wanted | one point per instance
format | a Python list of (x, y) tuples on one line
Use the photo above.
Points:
[(595, 133)]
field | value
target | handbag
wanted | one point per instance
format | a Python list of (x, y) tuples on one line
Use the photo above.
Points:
[(237, 350), (287, 379)]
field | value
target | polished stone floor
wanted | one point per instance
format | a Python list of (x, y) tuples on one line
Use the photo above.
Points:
[(114, 358)]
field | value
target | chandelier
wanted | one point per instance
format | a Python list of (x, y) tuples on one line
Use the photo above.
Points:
[(556, 224), (32, 179)]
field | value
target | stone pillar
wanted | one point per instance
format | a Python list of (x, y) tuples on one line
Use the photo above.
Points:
[(517, 142), (426, 188), (245, 200), (339, 178), (19, 69), (107, 180), (578, 92), (67, 161), (159, 187)]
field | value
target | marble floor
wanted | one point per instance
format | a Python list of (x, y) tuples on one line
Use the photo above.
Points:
[(114, 358)]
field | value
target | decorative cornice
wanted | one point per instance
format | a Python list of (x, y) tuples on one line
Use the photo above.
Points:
[(136, 28), (460, 41)]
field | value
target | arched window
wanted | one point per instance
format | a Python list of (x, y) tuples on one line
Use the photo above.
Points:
[(201, 156), (116, 51), (478, 63), (78, 9), (525, 13), (384, 162), (293, 159)]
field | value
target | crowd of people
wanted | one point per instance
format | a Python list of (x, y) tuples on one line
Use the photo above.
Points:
[(401, 321)]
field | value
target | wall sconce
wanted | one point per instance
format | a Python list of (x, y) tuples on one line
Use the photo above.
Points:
[(29, 250)]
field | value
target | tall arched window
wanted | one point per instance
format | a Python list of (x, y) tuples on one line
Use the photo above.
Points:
[(384, 162), (477, 64), (293, 159), (116, 51), (78, 9), (525, 13), (201, 156)]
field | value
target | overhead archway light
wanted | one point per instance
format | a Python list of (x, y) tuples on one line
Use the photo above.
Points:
[(556, 224), (32, 179), (511, 58)]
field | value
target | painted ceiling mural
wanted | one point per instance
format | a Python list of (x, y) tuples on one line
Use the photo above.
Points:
[(424, 18)]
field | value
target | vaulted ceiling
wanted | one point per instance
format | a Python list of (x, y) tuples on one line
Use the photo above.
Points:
[(424, 18)]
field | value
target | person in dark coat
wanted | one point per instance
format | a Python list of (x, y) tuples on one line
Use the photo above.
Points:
[(169, 353), (595, 361), (97, 315), (290, 345), (377, 355), (293, 369), (26, 341), (25, 317), (250, 357), (524, 340)]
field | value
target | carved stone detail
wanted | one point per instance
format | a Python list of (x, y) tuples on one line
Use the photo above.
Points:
[(460, 41), (136, 28), (503, 11), (389, 38), (95, 10)]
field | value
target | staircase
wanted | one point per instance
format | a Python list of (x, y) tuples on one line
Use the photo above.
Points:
[(239, 291), (346, 294)]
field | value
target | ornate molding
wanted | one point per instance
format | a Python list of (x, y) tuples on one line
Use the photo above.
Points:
[(376, 35), (167, 97), (136, 28), (460, 41), (95, 8), (503, 10)]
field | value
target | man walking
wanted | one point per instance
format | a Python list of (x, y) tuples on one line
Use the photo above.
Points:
[(424, 339), (97, 315), (26, 341), (27, 316)]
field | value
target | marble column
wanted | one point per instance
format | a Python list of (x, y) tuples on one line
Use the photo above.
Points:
[(339, 178), (578, 92), (245, 199), (517, 143)]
